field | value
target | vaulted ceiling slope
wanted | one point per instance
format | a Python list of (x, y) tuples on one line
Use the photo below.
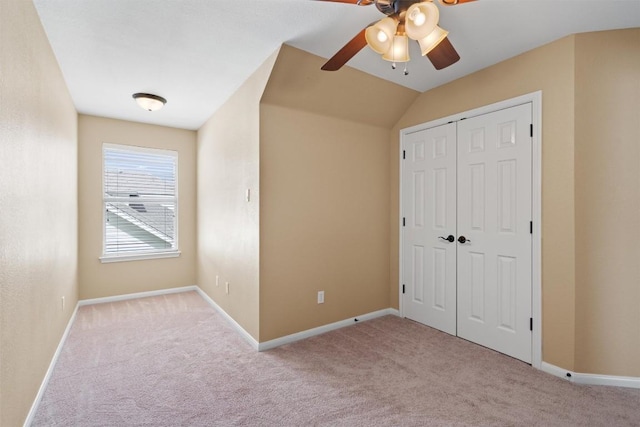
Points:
[(297, 82), (196, 53)]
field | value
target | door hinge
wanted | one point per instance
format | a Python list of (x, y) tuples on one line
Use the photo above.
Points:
[(530, 227), (403, 221), (531, 130), (404, 154), (531, 323), (403, 289)]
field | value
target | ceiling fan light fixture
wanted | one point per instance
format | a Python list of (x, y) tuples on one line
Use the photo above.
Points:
[(421, 20), (389, 37), (399, 50), (380, 35), (149, 102), (432, 40)]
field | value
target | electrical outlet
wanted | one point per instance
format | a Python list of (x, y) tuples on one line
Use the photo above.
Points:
[(227, 285), (320, 297), (217, 280), (62, 303)]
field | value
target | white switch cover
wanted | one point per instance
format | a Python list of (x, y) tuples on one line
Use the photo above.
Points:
[(248, 194), (320, 297)]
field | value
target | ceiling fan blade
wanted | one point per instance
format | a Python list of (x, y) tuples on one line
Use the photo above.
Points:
[(451, 2), (443, 55), (358, 2), (349, 50)]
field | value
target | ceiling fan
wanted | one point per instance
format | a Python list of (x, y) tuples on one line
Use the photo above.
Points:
[(406, 19)]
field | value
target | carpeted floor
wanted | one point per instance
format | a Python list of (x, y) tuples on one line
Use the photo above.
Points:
[(173, 361)]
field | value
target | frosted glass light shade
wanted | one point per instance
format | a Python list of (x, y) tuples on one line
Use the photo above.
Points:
[(421, 20), (149, 102), (399, 50), (380, 35), (432, 40)]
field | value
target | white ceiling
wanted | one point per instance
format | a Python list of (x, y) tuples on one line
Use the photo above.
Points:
[(196, 53)]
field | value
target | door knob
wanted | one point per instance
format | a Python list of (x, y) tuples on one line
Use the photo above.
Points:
[(449, 239), (463, 239)]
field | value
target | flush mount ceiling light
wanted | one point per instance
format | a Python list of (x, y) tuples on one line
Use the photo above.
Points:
[(149, 102), (406, 19)]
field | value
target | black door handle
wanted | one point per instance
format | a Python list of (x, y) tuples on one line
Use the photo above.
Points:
[(463, 239), (449, 239)]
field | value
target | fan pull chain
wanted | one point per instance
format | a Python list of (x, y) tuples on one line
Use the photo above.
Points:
[(406, 69)]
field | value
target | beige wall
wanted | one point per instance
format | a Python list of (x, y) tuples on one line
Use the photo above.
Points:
[(607, 180), (38, 208), (117, 278), (228, 225), (549, 68), (323, 220), (324, 184)]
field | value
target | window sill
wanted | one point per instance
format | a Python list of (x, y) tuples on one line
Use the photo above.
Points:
[(137, 257)]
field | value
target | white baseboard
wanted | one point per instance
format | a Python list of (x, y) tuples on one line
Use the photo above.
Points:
[(246, 335), (136, 295), (47, 375), (556, 371), (591, 379), (267, 345), (609, 380), (252, 341)]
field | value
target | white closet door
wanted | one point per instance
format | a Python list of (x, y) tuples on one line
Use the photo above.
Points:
[(494, 213), (429, 210)]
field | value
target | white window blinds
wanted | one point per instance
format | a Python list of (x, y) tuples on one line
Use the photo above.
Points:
[(140, 200)]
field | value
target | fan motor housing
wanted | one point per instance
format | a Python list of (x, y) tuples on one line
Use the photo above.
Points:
[(389, 7)]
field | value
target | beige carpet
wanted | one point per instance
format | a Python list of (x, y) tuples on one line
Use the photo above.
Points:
[(173, 361)]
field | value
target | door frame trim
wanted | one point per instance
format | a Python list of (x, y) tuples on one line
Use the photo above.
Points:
[(535, 98)]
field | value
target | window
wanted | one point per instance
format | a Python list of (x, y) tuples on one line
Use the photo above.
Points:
[(140, 203)]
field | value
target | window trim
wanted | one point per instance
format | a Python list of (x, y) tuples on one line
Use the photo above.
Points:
[(141, 254), (105, 259)]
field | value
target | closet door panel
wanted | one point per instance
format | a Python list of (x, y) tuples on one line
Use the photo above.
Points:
[(429, 210), (494, 240)]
